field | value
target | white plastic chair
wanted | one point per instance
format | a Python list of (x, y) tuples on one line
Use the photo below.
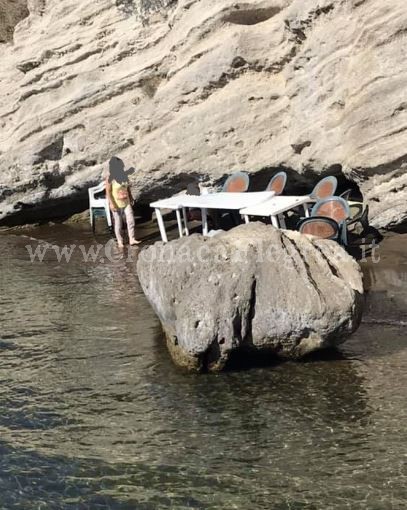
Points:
[(98, 206)]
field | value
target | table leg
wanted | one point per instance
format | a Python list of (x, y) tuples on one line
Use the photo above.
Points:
[(179, 221), (306, 211), (184, 215), (204, 214), (282, 221), (161, 225), (246, 218), (274, 221), (215, 217)]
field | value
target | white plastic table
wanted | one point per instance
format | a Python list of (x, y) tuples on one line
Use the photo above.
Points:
[(275, 207), (173, 204), (228, 201)]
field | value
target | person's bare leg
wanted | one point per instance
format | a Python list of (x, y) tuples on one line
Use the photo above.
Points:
[(131, 225), (118, 228)]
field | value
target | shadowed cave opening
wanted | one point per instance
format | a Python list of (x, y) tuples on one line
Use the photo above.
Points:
[(51, 210), (63, 208)]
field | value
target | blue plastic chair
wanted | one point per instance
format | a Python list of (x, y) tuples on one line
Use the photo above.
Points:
[(325, 188), (277, 183), (337, 209), (320, 226), (237, 183)]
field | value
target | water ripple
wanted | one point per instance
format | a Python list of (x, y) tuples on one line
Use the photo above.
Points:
[(94, 414)]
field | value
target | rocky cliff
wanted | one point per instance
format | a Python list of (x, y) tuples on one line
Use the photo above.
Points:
[(203, 87)]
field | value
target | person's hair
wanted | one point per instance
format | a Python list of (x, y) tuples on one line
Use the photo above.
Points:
[(116, 170)]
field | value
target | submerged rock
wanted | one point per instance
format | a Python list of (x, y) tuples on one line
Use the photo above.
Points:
[(253, 288)]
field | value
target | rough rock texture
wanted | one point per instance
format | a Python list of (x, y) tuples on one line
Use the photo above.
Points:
[(11, 12), (206, 87), (255, 288), (385, 280)]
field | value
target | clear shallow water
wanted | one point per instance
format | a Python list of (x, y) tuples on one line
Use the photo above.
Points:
[(93, 414)]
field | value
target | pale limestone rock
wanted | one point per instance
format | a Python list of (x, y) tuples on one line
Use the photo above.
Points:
[(205, 88), (11, 12)]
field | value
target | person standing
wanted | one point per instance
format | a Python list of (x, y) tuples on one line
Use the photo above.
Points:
[(120, 200)]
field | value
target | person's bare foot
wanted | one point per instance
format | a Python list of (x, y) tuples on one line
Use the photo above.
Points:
[(134, 242), (120, 245)]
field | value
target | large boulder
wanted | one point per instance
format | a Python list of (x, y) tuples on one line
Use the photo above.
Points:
[(203, 87), (254, 288)]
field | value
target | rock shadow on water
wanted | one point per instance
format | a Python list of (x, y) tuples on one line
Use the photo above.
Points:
[(251, 359), (326, 384)]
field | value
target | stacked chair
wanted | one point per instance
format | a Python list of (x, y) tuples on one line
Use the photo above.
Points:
[(325, 188), (329, 219), (334, 217)]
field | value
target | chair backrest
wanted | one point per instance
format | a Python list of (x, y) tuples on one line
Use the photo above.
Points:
[(335, 208), (96, 189), (277, 183), (320, 227), (325, 188), (364, 218), (356, 209), (193, 189), (346, 194), (236, 183), (98, 202)]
